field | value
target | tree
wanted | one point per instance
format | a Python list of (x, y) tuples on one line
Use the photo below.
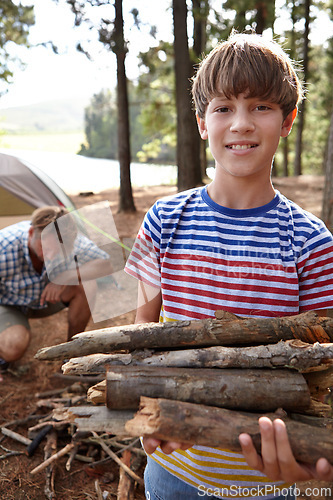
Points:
[(15, 21), (200, 9), (256, 14), (188, 139), (100, 119), (301, 118), (117, 42), (111, 34), (327, 208)]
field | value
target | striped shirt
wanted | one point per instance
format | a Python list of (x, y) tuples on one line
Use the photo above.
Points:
[(20, 284), (274, 260)]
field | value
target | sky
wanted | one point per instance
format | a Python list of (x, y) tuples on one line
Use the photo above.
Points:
[(70, 74), (48, 76)]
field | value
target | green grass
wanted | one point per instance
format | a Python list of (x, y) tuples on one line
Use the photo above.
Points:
[(69, 142)]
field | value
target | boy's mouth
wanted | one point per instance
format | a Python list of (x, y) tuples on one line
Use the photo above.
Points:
[(241, 147)]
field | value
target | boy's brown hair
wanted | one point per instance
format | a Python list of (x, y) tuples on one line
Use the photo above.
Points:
[(247, 63)]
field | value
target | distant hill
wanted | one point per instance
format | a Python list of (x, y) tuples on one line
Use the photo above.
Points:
[(49, 116)]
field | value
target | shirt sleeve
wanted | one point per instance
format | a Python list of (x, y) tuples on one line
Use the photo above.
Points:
[(315, 266), (144, 260)]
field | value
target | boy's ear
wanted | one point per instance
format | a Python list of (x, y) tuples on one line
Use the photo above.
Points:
[(288, 123), (202, 127)]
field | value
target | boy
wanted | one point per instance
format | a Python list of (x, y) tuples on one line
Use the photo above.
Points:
[(236, 245)]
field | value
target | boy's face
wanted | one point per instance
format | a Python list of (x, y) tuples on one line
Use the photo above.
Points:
[(244, 133)]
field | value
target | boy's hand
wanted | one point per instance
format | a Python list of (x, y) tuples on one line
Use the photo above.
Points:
[(277, 460), (150, 445)]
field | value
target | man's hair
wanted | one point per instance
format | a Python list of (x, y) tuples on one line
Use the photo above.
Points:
[(247, 63), (44, 216)]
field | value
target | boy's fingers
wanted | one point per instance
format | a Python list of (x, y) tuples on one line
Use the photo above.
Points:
[(324, 470), (170, 446), (150, 444), (291, 470), (268, 448), (250, 453)]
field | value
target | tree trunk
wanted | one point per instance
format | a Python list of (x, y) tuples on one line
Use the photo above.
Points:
[(188, 138), (327, 208), (126, 202), (200, 9), (301, 118), (209, 426), (308, 327), (291, 353), (240, 389)]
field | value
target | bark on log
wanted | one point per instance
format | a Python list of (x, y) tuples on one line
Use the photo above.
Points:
[(308, 327), (290, 353), (253, 390), (208, 426)]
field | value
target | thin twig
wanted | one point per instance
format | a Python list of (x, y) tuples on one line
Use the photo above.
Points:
[(117, 459), (9, 453), (54, 457), (128, 446), (16, 436), (5, 398)]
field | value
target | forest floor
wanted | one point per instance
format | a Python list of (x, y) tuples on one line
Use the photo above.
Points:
[(22, 385)]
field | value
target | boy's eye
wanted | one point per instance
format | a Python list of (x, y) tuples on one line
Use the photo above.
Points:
[(262, 107), (223, 109)]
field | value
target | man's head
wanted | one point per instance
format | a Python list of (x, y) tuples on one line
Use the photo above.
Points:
[(65, 230), (247, 64)]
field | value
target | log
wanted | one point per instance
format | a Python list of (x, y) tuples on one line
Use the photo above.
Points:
[(248, 389), (308, 327), (125, 489), (100, 419), (319, 382), (96, 393), (208, 426), (290, 353)]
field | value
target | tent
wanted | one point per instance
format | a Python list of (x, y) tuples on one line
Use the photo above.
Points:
[(24, 187)]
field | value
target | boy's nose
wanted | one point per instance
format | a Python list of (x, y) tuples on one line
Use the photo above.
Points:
[(242, 123)]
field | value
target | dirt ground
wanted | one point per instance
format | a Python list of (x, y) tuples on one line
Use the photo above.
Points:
[(20, 389)]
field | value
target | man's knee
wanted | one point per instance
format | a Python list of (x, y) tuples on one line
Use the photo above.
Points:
[(14, 342)]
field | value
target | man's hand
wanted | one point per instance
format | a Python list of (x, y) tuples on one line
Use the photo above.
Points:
[(277, 460), (52, 293), (150, 445)]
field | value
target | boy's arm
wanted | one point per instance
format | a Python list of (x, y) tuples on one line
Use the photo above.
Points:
[(149, 304), (277, 460)]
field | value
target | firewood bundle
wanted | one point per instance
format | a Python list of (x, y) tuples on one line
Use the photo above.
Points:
[(207, 381)]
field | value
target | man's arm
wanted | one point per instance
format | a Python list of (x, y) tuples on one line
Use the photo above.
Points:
[(91, 270)]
